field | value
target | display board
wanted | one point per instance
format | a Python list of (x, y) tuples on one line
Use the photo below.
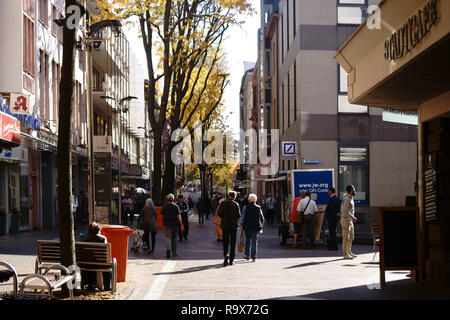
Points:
[(315, 181), (431, 187), (398, 239)]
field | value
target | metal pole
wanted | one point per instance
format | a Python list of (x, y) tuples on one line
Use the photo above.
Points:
[(120, 165), (88, 55)]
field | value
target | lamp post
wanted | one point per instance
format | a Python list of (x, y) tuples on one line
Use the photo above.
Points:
[(119, 111)]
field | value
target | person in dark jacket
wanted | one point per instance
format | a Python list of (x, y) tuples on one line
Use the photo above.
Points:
[(148, 214), (172, 221), (229, 213), (184, 209), (251, 223), (201, 209), (332, 215), (89, 277)]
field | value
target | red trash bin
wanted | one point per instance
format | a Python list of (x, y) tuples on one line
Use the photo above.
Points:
[(118, 237), (159, 218)]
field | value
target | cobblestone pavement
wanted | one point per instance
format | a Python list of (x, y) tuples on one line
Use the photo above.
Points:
[(280, 272)]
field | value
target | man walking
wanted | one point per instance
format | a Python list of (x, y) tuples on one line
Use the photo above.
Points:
[(347, 221), (229, 213), (307, 208), (184, 209), (270, 205), (172, 221), (331, 214)]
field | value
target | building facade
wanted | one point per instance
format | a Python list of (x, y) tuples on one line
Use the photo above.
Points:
[(308, 104), (410, 53)]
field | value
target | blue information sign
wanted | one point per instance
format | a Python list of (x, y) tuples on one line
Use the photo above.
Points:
[(315, 181)]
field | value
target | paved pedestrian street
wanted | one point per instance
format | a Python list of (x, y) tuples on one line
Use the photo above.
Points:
[(198, 274)]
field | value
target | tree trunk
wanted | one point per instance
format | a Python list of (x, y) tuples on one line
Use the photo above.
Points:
[(64, 150), (169, 180), (157, 195)]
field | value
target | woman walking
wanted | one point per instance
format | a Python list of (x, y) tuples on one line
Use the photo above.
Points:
[(251, 224), (150, 226)]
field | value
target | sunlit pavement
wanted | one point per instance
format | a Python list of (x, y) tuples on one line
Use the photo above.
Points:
[(280, 272)]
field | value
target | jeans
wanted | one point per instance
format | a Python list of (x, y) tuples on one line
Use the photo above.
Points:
[(348, 234), (251, 243), (308, 229), (171, 237), (146, 239), (184, 234), (229, 243)]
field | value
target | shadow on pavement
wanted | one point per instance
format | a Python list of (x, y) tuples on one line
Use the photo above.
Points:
[(394, 290), (190, 270), (308, 264)]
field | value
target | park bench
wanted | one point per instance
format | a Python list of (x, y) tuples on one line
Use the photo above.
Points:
[(90, 256), (39, 282)]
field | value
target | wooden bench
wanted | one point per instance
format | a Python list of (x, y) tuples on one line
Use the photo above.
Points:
[(94, 257)]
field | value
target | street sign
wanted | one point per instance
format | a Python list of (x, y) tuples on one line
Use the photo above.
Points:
[(311, 161)]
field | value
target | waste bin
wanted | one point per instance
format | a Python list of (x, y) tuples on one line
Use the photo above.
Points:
[(118, 237), (159, 218)]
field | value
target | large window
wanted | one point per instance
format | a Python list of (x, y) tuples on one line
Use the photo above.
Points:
[(43, 12), (351, 11), (354, 170)]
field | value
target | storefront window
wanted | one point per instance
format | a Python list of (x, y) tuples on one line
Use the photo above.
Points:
[(354, 170), (346, 107)]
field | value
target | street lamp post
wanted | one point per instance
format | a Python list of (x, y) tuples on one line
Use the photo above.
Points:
[(119, 111)]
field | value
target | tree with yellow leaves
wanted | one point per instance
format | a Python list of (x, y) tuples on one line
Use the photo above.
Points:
[(182, 40)]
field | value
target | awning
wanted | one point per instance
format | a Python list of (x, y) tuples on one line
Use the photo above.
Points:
[(35, 143)]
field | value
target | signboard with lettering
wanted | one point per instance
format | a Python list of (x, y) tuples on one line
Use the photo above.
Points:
[(315, 181), (102, 179), (9, 129), (412, 32), (431, 192)]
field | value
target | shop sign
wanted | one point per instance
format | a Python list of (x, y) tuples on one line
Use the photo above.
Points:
[(400, 116), (408, 36), (289, 150), (9, 128), (29, 120), (17, 154), (20, 103)]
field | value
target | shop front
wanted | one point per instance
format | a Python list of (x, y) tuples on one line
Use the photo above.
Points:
[(405, 65), (9, 168)]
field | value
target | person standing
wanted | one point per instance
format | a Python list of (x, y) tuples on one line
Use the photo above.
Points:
[(270, 204), (229, 213), (296, 218), (331, 214), (172, 221), (201, 209), (347, 222), (307, 208), (125, 209), (150, 226), (217, 221), (74, 209), (251, 224), (184, 209)]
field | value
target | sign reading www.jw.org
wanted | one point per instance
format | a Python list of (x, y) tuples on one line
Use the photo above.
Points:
[(315, 181)]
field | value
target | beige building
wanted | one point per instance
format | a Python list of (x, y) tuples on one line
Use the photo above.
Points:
[(405, 65)]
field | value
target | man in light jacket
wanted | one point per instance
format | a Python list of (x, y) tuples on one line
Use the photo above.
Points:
[(347, 220)]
